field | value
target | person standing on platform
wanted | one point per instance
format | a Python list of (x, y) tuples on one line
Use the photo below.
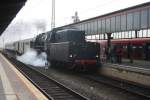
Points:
[(113, 54), (119, 52), (130, 51)]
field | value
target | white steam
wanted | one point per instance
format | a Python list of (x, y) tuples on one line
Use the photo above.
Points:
[(31, 57)]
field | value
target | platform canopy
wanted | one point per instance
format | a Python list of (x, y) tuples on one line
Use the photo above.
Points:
[(8, 10)]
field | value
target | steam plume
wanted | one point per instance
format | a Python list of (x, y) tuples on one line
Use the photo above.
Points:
[(32, 58)]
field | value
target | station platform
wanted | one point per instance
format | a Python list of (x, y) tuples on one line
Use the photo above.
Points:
[(15, 86), (137, 72), (137, 63), (140, 66)]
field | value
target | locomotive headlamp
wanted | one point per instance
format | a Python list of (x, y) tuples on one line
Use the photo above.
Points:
[(70, 55), (97, 56)]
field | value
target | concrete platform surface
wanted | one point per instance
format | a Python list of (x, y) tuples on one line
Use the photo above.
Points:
[(130, 73), (14, 86)]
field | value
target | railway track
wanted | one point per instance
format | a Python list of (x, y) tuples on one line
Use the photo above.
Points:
[(127, 86), (131, 87), (52, 89)]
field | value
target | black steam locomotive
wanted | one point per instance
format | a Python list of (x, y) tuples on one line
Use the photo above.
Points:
[(69, 47)]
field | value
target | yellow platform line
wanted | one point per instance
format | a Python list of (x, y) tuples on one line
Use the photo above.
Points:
[(29, 85)]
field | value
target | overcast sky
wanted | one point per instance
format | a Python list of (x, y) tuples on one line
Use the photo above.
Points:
[(35, 16)]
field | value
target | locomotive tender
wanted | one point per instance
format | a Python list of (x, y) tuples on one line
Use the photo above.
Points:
[(69, 47)]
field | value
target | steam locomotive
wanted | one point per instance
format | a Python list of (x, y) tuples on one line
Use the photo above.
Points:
[(68, 47), (63, 47)]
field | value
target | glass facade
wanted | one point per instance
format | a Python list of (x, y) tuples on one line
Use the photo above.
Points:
[(121, 25)]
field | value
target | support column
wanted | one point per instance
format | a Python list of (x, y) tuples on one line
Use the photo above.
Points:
[(109, 40), (136, 33), (108, 45)]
